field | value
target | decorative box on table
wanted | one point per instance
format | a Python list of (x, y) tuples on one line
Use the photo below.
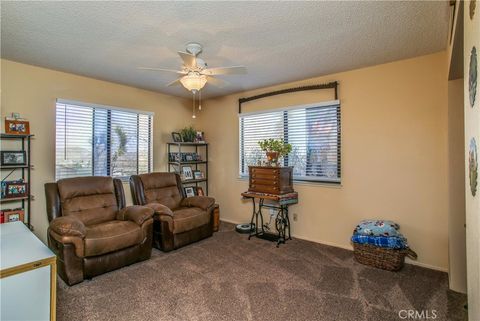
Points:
[(272, 180)]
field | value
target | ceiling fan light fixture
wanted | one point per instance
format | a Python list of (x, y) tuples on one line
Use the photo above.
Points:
[(193, 82), (195, 71)]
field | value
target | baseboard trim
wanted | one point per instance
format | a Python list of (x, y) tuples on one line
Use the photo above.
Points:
[(425, 265), (346, 247), (230, 221)]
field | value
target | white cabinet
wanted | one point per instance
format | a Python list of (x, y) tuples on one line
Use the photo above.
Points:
[(27, 275)]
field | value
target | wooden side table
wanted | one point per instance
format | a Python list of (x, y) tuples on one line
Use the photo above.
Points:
[(216, 218), (28, 275), (282, 221)]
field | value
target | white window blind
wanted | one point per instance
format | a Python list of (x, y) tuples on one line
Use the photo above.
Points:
[(314, 131), (93, 140)]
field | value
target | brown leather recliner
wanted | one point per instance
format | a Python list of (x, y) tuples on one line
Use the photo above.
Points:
[(178, 221), (91, 231)]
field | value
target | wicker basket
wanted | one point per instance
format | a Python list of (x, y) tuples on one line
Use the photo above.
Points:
[(380, 257)]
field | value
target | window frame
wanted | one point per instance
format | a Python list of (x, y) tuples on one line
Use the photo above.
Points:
[(109, 110), (299, 179)]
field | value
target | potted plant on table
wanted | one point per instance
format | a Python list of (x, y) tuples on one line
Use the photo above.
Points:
[(275, 148)]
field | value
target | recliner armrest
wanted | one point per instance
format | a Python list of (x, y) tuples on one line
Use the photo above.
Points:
[(163, 213), (136, 213), (160, 209), (203, 202), (68, 230), (68, 226)]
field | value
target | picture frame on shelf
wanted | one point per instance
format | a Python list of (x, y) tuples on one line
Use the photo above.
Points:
[(187, 173), (199, 137), (189, 191), (184, 157), (200, 191), (13, 158), (17, 127), (198, 174), (197, 157), (12, 189), (177, 138), (15, 215), (173, 157)]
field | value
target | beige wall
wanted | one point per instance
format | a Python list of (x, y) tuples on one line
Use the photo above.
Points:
[(32, 92), (472, 129), (394, 152), (456, 165), (394, 156)]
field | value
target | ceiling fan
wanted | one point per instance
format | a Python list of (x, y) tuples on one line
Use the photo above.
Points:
[(195, 72)]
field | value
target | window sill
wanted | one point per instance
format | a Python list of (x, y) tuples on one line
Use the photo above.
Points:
[(306, 183)]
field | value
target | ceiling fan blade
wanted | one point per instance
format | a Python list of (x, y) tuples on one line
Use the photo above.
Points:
[(163, 69), (217, 82), (225, 71), (173, 83), (189, 60)]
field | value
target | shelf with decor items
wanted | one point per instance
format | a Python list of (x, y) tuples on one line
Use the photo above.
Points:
[(15, 167), (14, 199), (189, 181), (187, 163), (16, 178), (184, 155)]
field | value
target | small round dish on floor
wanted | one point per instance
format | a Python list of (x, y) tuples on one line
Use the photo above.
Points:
[(244, 228)]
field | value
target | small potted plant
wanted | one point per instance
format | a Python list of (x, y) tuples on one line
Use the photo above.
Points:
[(275, 148), (188, 134)]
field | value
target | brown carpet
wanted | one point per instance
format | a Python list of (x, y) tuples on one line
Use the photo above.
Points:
[(227, 277)]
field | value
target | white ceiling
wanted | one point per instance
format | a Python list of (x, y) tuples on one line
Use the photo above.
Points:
[(277, 41)]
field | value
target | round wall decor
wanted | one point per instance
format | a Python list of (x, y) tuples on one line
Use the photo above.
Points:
[(473, 166), (472, 76), (473, 4)]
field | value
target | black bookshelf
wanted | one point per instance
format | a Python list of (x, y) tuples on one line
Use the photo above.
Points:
[(25, 142), (176, 166)]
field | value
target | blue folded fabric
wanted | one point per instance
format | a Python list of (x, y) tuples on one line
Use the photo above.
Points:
[(392, 242), (377, 228)]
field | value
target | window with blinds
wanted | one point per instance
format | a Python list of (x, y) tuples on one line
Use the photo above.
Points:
[(314, 131), (94, 140)]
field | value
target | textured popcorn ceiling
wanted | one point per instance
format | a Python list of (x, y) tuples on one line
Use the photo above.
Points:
[(277, 41)]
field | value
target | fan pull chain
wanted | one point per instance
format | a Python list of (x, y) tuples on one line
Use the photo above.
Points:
[(200, 100), (193, 106)]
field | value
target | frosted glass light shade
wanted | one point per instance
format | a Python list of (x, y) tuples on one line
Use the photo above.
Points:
[(193, 81)]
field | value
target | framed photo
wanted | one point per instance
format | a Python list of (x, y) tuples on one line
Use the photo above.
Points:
[(198, 175), (177, 138), (173, 157), (13, 158), (199, 137), (189, 191), (18, 127), (15, 189), (13, 215), (189, 157), (187, 172), (200, 191)]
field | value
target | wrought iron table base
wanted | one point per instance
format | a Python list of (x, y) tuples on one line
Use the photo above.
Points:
[(282, 223)]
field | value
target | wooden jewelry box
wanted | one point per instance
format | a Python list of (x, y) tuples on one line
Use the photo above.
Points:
[(270, 180)]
